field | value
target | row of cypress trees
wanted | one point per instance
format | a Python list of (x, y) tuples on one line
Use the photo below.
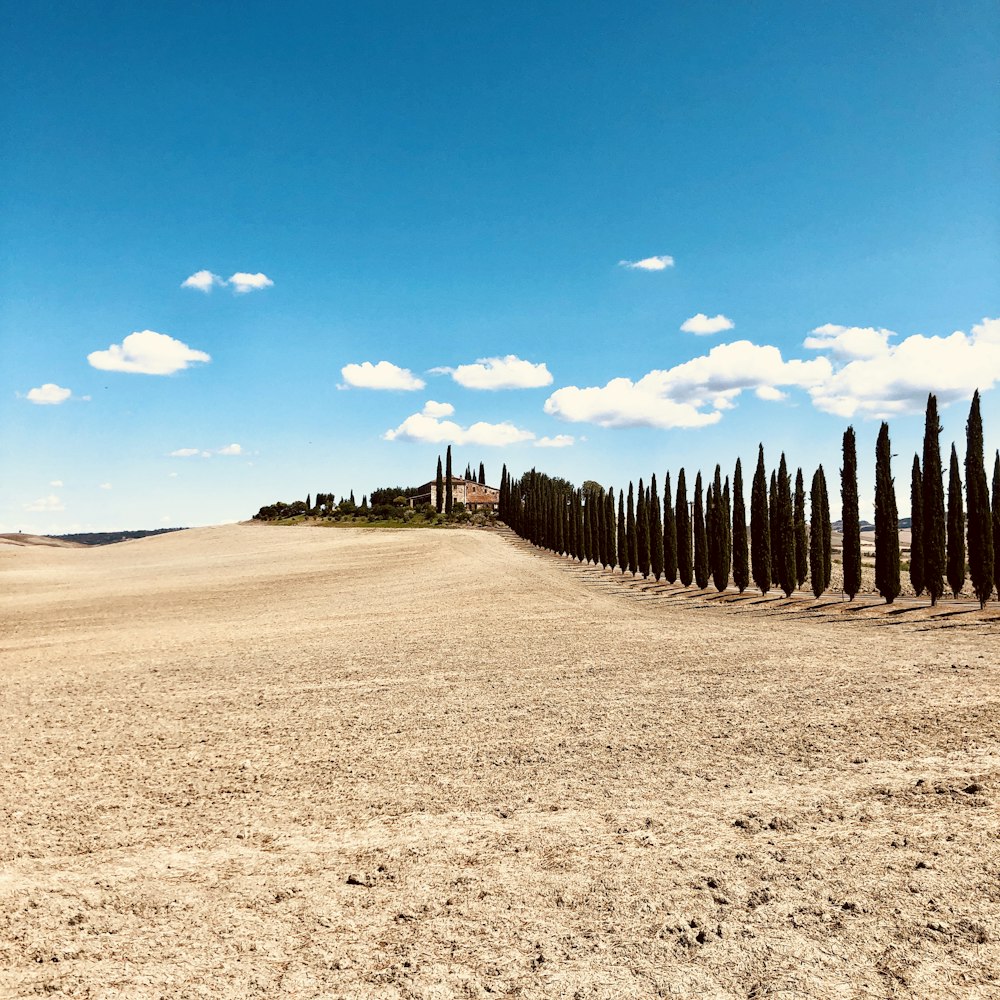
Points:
[(713, 539)]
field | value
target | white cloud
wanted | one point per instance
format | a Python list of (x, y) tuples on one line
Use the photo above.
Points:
[(692, 394), (659, 263), (184, 452), (849, 341), (510, 372), (419, 427), (381, 375), (51, 502), (899, 380), (704, 325), (104, 486), (230, 449), (202, 280), (172, 475), (769, 393), (56, 483), (435, 409), (49, 394), (557, 441), (147, 353), (243, 282)]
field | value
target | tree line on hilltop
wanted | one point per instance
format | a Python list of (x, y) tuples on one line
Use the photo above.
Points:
[(711, 538)]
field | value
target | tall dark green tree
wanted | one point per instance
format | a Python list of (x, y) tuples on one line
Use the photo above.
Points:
[(642, 533), (786, 571), (850, 516), (886, 520), (682, 518), (439, 484), (448, 493), (655, 531), (609, 527), (588, 527), (633, 542), (980, 520), (622, 534), (996, 521), (482, 474), (309, 503), (776, 539), (700, 537), (760, 527), (827, 530), (669, 533), (817, 551), (916, 528), (719, 545), (709, 526), (933, 534), (801, 532), (741, 565), (956, 528)]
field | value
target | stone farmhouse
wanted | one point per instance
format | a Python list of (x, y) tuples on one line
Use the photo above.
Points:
[(474, 495)]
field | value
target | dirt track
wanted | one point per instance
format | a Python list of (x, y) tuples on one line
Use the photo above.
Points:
[(265, 762)]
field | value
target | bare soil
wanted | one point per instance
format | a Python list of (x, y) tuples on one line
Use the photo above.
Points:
[(281, 762)]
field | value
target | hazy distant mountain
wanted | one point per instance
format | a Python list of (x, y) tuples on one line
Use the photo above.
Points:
[(903, 524)]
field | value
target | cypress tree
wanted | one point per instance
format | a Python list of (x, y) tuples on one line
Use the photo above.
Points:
[(633, 543), (886, 520), (727, 533), (622, 545), (700, 538), (588, 528), (669, 533), (786, 530), (775, 529), (439, 497), (741, 565), (711, 537), (642, 533), (482, 474), (916, 528), (609, 527), (827, 529), (981, 540), (682, 519), (935, 553), (801, 534), (956, 528), (655, 531), (817, 572), (719, 543), (760, 527), (448, 498), (996, 522), (309, 502), (851, 516)]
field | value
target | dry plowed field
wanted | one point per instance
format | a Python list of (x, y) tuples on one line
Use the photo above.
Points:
[(277, 762)]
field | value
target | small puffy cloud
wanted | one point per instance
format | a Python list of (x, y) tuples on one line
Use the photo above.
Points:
[(172, 475), (104, 486), (49, 394), (381, 375), (703, 325), (769, 393), (849, 342), (147, 353), (899, 380), (692, 394), (204, 281), (658, 263), (230, 449), (51, 502), (243, 282), (556, 441), (56, 483), (434, 409), (510, 372), (419, 427), (185, 452)]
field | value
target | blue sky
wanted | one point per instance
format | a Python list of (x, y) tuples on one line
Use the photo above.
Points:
[(437, 185)]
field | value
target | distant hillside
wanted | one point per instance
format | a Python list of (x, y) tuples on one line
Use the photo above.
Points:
[(903, 524), (110, 537)]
